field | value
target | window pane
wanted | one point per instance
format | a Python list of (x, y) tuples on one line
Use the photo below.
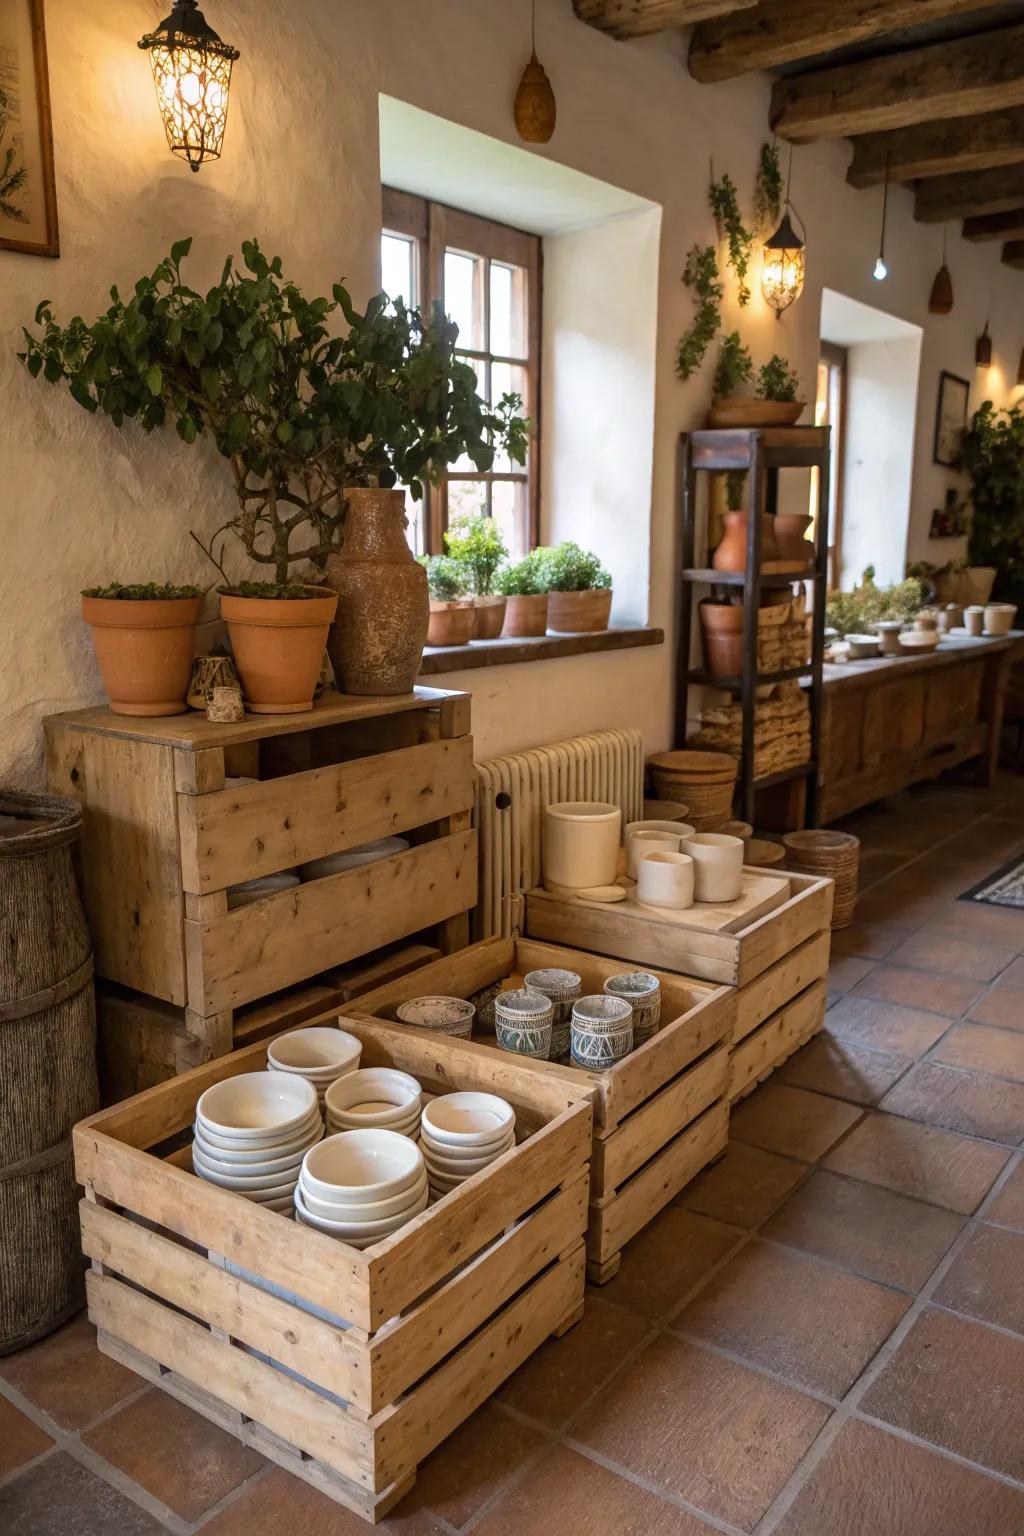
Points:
[(479, 367), (466, 498), (509, 509), (462, 297), (508, 378), (398, 267), (508, 310), (415, 516)]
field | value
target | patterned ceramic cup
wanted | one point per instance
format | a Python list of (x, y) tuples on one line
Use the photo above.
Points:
[(442, 1015), (643, 992), (522, 1022), (562, 988), (602, 1032)]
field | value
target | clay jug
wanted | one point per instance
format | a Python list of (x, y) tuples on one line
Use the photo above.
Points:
[(377, 638), (731, 554), (790, 528)]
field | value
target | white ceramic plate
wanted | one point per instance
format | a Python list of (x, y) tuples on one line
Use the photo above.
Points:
[(467, 1119), (360, 1166), (355, 858), (257, 1106)]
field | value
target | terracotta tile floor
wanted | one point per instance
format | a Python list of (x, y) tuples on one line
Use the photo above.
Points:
[(822, 1336)]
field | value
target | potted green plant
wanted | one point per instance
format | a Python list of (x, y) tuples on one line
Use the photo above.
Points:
[(773, 400), (579, 589), (278, 631), (144, 638), (526, 598), (475, 544), (451, 611), (993, 455)]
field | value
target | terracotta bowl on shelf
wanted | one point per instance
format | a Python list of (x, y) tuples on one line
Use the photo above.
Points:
[(745, 411)]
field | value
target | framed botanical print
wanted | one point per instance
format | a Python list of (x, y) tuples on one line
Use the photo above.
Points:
[(28, 198), (950, 418)]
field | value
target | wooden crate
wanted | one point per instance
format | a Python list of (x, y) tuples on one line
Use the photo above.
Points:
[(756, 1056), (389, 1349), (178, 809), (660, 1116)]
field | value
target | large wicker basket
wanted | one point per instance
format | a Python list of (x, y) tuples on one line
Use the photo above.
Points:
[(703, 781), (836, 854)]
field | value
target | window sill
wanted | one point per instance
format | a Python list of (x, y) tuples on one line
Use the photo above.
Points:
[(504, 653)]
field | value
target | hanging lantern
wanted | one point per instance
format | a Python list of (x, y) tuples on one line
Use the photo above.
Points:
[(192, 73), (940, 300), (983, 349), (782, 276), (534, 108)]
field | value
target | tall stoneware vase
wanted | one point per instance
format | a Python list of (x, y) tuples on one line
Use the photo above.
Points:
[(377, 638)]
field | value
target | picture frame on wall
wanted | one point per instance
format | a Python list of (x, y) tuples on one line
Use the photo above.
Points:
[(28, 194), (950, 419)]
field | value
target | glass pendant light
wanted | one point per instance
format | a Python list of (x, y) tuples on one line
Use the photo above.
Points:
[(192, 74)]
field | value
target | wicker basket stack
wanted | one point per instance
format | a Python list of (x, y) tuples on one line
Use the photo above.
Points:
[(703, 781), (782, 729), (782, 636), (835, 854)]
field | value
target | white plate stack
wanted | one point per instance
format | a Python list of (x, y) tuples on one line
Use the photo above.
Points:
[(252, 1132), (320, 1054), (360, 1186), (460, 1133), (374, 1098)]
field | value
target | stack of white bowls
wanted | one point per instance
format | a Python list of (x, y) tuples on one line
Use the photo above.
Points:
[(360, 1186), (320, 1054), (252, 1132), (374, 1098), (460, 1133)]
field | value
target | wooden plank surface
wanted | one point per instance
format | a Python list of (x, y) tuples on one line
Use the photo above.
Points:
[(440, 659), (782, 982), (657, 1121), (639, 18), (767, 1047), (762, 893), (939, 149), (967, 194)]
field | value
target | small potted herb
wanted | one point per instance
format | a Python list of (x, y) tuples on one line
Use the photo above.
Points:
[(451, 611), (476, 546), (526, 607), (579, 589), (144, 638), (772, 402), (278, 631)]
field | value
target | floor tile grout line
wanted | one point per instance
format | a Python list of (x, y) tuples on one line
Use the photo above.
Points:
[(226, 1500), (98, 1464), (12, 1475), (666, 1495), (859, 1416), (826, 1399)]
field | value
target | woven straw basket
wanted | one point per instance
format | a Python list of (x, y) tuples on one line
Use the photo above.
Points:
[(704, 781), (835, 854)]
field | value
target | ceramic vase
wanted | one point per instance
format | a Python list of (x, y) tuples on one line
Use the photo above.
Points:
[(523, 1023), (561, 988), (666, 879), (717, 865), (581, 843), (378, 635), (441, 1015), (731, 554), (602, 1032), (643, 993)]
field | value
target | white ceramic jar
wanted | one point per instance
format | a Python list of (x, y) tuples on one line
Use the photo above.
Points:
[(644, 841), (581, 843), (523, 1022), (666, 880), (717, 865), (999, 618)]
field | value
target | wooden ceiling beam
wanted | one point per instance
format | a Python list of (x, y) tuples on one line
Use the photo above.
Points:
[(1013, 254), (783, 31), (939, 149), (996, 226), (637, 18), (983, 73), (971, 193)]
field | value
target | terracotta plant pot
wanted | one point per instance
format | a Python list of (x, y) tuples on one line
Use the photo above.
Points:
[(488, 617), (579, 613), (744, 411), (450, 623), (377, 638), (731, 554), (144, 649), (722, 628), (526, 616), (278, 645), (790, 528)]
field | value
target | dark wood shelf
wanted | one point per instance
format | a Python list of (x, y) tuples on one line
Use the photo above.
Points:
[(440, 659), (734, 684), (800, 771), (772, 581)]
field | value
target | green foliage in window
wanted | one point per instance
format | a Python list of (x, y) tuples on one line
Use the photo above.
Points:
[(776, 380), (568, 568), (474, 542), (731, 228), (700, 274), (525, 579), (446, 579)]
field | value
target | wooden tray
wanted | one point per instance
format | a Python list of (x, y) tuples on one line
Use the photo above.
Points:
[(761, 894)]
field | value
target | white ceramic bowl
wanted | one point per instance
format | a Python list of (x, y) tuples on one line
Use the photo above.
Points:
[(228, 1150), (374, 1096), (247, 891), (353, 858), (467, 1119), (357, 1234), (359, 1166), (664, 879), (447, 1152), (443, 1015), (266, 1168), (320, 1053), (348, 1220), (462, 1167), (257, 1106), (266, 1188), (367, 1210), (343, 1121), (643, 841)]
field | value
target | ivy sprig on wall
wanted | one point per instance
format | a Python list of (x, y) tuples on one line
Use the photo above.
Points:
[(701, 275), (768, 189), (726, 209)]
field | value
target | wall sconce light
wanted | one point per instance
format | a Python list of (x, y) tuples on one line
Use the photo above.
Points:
[(782, 273), (881, 271), (983, 349), (192, 74)]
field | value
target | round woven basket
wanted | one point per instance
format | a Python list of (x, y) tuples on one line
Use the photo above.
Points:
[(763, 853), (704, 781), (835, 854)]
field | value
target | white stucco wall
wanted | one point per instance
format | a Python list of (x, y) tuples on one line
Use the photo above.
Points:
[(81, 502)]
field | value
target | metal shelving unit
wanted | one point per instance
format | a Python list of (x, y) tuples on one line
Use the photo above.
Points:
[(762, 452)]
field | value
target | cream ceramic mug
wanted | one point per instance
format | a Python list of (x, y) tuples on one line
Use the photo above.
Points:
[(665, 880), (640, 843), (717, 865)]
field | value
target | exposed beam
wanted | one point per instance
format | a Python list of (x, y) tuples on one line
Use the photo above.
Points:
[(996, 226), (635, 18), (972, 192), (1013, 254), (939, 149), (984, 73), (783, 31)]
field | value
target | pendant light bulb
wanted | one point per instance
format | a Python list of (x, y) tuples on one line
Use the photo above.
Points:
[(881, 271)]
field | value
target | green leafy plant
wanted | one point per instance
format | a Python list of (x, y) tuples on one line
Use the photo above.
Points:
[(146, 592), (446, 579), (733, 369), (768, 188), (278, 591), (525, 579), (300, 413), (855, 612), (776, 380), (474, 542), (700, 274), (735, 489), (726, 209), (13, 174), (568, 568), (993, 455)]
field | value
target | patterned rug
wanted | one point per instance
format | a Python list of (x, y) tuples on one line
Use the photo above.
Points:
[(1004, 888)]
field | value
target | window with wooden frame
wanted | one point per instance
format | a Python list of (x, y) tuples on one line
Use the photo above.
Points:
[(487, 276), (830, 411)]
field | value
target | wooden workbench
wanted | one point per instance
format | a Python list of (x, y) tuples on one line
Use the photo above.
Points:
[(895, 720)]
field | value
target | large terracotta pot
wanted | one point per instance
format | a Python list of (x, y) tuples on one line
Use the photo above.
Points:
[(144, 649), (377, 638), (579, 613), (450, 623), (731, 554), (722, 628), (488, 617), (526, 616), (278, 646), (746, 411), (790, 528)]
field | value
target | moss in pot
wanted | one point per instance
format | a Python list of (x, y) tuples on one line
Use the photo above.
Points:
[(144, 638), (451, 611), (579, 589), (475, 544), (278, 632), (526, 598)]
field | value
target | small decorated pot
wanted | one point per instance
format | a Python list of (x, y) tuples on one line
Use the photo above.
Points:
[(442, 1015), (643, 992), (522, 1022), (562, 988), (602, 1032)]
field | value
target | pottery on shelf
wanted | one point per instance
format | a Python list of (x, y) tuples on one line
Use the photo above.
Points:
[(144, 648), (377, 638), (927, 619), (440, 1015), (278, 646), (579, 613), (526, 616), (747, 411), (225, 706), (523, 1023), (602, 1032), (999, 618), (717, 865), (488, 617), (669, 825), (888, 631), (731, 554), (561, 988), (666, 880), (646, 841), (581, 843), (790, 537), (450, 623), (722, 634), (209, 672), (861, 647), (643, 993), (974, 620), (919, 642)]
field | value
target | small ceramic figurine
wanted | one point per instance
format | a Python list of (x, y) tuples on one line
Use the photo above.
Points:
[(225, 706)]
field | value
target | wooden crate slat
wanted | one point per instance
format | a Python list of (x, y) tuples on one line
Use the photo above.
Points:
[(295, 933), (809, 911), (257, 829), (619, 1155), (759, 999), (767, 1047)]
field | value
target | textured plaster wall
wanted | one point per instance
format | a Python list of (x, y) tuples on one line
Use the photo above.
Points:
[(81, 502)]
